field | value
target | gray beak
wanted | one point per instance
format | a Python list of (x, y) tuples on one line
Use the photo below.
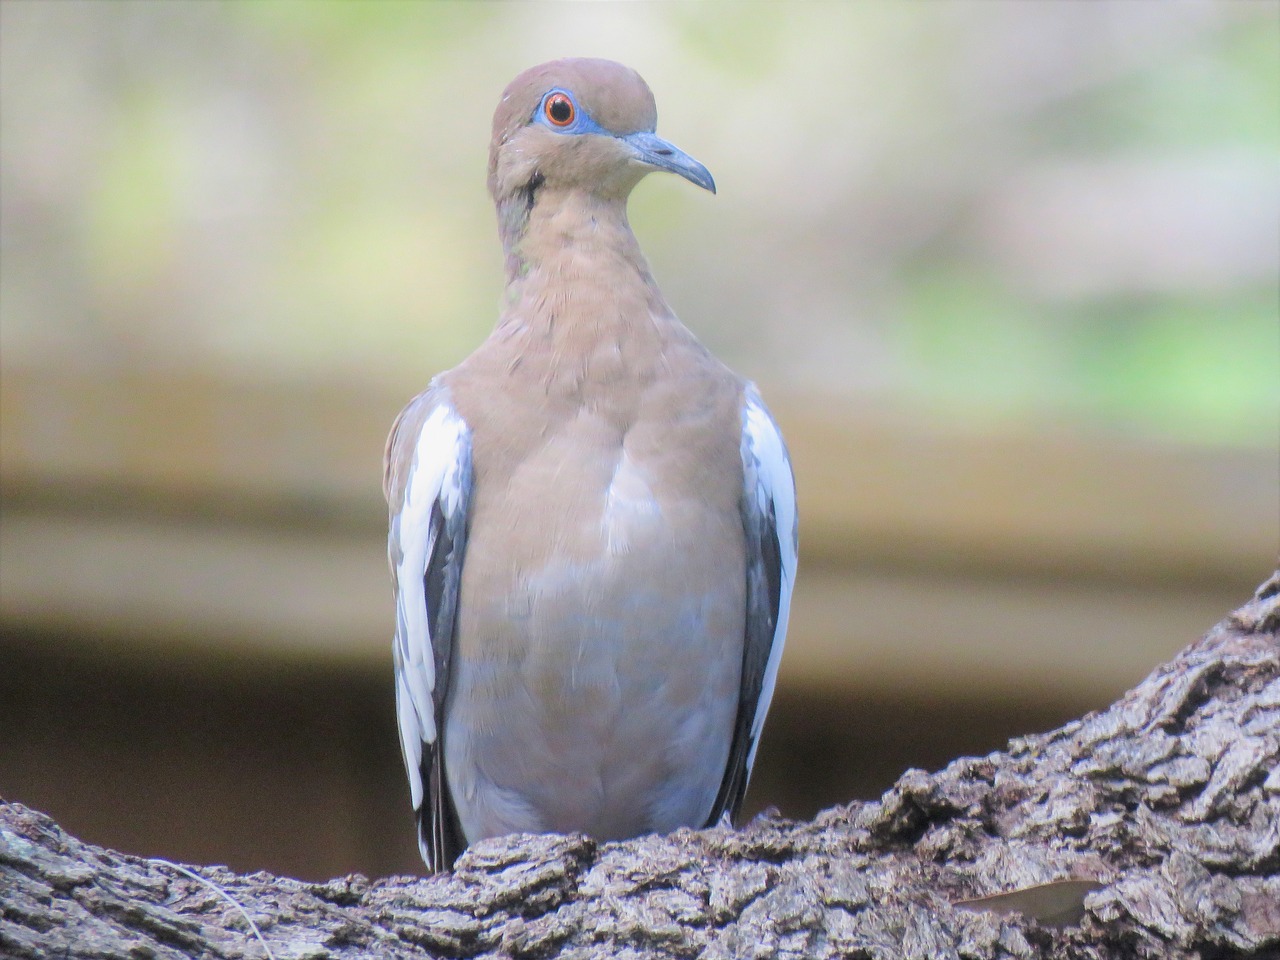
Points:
[(655, 152)]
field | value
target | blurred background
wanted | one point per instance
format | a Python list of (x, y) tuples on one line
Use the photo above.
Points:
[(1007, 274)]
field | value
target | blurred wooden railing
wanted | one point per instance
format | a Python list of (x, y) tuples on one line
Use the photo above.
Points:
[(199, 515)]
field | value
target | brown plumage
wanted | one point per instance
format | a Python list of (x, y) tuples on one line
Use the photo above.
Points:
[(603, 588)]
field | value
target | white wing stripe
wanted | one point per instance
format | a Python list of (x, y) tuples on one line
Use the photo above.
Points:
[(775, 492), (433, 476)]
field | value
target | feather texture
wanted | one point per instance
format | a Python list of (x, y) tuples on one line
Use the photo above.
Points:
[(426, 546), (772, 537)]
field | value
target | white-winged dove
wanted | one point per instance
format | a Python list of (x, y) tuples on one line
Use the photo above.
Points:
[(593, 520)]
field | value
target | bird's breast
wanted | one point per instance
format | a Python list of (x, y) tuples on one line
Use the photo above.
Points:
[(601, 622)]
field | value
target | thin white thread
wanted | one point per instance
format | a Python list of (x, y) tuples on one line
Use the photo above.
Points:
[(225, 896)]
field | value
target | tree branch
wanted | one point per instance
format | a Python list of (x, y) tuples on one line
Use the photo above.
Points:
[(1169, 799)]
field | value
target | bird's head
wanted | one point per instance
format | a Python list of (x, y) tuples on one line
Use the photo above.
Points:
[(580, 124)]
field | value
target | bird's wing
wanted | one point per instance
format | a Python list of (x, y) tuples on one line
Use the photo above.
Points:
[(769, 522), (427, 482)]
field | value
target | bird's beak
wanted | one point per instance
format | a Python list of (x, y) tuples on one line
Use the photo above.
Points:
[(653, 151)]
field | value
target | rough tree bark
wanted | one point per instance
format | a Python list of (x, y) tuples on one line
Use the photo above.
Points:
[(1170, 799)]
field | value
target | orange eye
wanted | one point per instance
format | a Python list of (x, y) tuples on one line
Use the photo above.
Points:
[(559, 109)]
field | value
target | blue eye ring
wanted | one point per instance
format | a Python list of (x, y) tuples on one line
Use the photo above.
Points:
[(559, 109)]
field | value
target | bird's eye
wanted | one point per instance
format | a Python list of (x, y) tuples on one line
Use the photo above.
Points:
[(559, 109)]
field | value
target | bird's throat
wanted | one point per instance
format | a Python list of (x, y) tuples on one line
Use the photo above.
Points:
[(571, 255)]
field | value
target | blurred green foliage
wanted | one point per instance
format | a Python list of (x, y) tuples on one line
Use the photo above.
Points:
[(1201, 370), (297, 189)]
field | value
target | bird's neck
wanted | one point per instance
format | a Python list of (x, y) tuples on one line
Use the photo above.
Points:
[(571, 255)]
